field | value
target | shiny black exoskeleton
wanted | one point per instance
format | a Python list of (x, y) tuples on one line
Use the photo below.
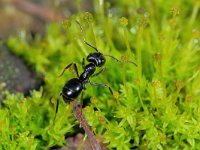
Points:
[(74, 87)]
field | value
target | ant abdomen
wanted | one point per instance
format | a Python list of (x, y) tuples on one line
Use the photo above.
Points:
[(72, 89)]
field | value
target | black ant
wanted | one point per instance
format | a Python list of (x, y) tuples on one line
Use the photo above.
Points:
[(74, 86)]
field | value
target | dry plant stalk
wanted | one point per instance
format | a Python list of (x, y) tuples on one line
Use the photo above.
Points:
[(83, 123)]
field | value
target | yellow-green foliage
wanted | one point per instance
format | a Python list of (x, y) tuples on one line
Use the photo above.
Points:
[(155, 105)]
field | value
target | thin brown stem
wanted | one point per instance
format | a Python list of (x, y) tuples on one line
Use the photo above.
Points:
[(80, 116)]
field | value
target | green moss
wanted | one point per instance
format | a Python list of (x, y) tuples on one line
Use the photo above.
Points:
[(157, 103)]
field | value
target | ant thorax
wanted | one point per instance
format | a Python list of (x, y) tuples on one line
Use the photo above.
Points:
[(88, 71)]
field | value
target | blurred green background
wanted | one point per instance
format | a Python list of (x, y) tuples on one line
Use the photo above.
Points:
[(154, 105)]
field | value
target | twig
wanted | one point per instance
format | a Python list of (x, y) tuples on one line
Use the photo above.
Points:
[(35, 10), (80, 116)]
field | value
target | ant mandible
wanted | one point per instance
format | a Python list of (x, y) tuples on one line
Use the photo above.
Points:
[(75, 86)]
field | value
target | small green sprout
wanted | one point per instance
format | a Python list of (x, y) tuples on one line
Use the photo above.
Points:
[(66, 23), (87, 17), (175, 11), (123, 21)]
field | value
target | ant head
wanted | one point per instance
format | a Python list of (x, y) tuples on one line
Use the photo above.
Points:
[(97, 58)]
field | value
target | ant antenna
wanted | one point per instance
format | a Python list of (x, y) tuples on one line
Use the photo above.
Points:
[(112, 57), (132, 63), (83, 35), (120, 60)]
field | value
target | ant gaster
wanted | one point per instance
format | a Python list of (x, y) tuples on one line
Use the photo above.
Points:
[(74, 86)]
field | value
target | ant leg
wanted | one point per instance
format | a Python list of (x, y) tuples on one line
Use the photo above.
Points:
[(81, 106), (96, 74), (57, 104), (102, 85), (75, 68), (82, 93), (83, 63)]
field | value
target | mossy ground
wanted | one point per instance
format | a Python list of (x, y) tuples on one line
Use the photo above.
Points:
[(155, 105)]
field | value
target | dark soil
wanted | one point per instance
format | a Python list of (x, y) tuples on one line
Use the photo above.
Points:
[(15, 76)]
